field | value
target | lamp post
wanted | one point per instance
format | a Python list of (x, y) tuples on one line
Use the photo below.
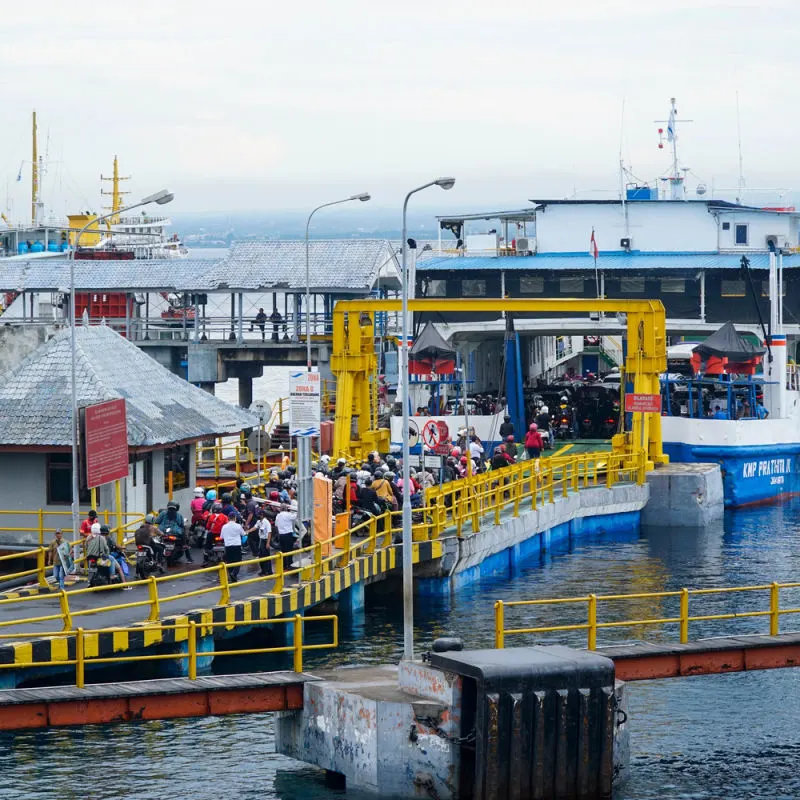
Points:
[(161, 198), (408, 575), (363, 197)]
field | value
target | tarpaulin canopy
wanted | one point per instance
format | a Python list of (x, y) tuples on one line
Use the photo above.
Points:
[(431, 353), (726, 352), (727, 343)]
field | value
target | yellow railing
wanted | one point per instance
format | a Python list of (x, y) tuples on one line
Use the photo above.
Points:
[(528, 485), (45, 522), (682, 619), (447, 510), (193, 629)]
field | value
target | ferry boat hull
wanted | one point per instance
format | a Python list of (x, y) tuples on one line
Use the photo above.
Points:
[(750, 474)]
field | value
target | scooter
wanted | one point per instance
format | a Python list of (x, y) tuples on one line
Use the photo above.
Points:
[(149, 560), (101, 572), (174, 545), (197, 528), (563, 429)]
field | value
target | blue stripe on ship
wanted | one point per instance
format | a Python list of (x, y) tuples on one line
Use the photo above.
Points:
[(750, 474)]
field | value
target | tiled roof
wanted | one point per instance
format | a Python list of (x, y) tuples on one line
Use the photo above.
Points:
[(609, 262), (35, 396), (336, 265), (349, 265)]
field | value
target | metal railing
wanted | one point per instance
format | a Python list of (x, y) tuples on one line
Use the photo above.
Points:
[(193, 629), (46, 521), (682, 619), (447, 510)]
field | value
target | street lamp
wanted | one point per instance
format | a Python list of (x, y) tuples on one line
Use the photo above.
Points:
[(161, 198), (408, 575), (363, 197)]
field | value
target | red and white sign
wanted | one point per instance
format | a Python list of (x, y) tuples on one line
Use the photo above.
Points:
[(643, 403), (106, 442), (431, 435)]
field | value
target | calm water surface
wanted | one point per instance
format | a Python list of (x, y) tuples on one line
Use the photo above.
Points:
[(733, 736)]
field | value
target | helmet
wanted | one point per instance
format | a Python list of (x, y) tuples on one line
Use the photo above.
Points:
[(96, 528), (506, 418), (150, 519), (510, 438), (456, 451), (545, 410), (273, 475), (379, 473), (173, 504), (463, 459), (341, 461), (291, 469), (211, 494), (198, 491), (534, 427), (92, 514), (390, 476), (245, 487), (274, 496), (368, 481), (217, 507), (104, 530), (227, 497)]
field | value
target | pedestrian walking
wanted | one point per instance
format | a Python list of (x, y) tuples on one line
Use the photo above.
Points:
[(58, 557), (232, 535)]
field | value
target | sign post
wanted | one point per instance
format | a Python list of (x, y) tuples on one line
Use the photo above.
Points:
[(643, 404), (304, 423), (105, 437)]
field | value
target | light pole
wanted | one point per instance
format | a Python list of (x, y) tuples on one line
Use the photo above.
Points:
[(408, 575), (363, 197), (160, 198)]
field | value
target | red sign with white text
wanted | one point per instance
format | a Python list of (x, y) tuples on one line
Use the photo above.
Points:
[(106, 442), (644, 403)]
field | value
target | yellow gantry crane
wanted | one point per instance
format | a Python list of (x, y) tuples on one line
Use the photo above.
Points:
[(354, 361)]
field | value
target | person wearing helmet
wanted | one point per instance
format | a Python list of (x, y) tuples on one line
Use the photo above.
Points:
[(172, 519), (197, 503), (211, 496), (533, 441), (228, 508), (383, 489), (507, 428), (116, 555)]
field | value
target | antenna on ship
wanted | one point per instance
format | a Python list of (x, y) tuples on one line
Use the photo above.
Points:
[(34, 175), (116, 194), (676, 180), (740, 185)]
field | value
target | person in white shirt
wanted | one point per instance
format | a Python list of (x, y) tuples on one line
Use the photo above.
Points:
[(288, 527), (263, 529), (475, 448), (232, 534)]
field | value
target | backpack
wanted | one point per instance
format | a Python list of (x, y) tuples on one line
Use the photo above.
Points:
[(215, 523)]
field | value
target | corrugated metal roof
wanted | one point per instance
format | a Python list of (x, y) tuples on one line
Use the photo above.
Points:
[(35, 396), (654, 262), (346, 266), (335, 265), (138, 275)]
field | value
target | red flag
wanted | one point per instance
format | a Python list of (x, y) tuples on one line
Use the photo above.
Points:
[(593, 251)]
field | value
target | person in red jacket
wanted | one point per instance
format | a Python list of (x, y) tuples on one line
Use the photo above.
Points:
[(534, 443)]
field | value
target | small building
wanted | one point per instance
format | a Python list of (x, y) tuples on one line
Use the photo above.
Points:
[(166, 417)]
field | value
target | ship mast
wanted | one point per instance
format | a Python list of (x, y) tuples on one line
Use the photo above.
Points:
[(34, 176), (116, 194), (676, 180)]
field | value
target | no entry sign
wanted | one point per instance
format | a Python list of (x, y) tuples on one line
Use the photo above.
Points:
[(106, 442), (431, 435), (643, 403)]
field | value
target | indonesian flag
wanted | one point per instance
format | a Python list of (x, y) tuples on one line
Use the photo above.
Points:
[(593, 251)]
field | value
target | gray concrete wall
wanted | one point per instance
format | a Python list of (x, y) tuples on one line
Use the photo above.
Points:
[(473, 549), (684, 495)]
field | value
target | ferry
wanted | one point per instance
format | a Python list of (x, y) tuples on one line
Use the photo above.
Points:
[(710, 260), (43, 236)]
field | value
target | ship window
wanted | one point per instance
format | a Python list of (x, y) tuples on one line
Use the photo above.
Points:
[(473, 287), (631, 285), (726, 226), (531, 284), (732, 288), (436, 287), (740, 234), (765, 289), (673, 285), (573, 285)]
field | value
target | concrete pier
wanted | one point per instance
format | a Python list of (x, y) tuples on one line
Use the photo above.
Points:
[(525, 723), (684, 495)]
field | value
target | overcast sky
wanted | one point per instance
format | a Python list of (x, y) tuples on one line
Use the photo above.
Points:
[(250, 104)]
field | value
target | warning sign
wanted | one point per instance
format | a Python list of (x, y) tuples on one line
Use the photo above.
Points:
[(431, 435), (413, 434), (105, 438), (643, 403)]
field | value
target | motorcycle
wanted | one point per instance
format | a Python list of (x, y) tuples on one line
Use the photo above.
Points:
[(101, 571), (174, 545), (148, 560), (563, 428), (197, 528), (586, 428), (608, 427)]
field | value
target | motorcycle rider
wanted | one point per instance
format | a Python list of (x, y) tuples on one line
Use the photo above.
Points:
[(172, 519), (144, 536), (507, 428), (543, 423), (115, 554)]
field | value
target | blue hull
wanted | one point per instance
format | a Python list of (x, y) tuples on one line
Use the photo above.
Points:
[(753, 474)]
